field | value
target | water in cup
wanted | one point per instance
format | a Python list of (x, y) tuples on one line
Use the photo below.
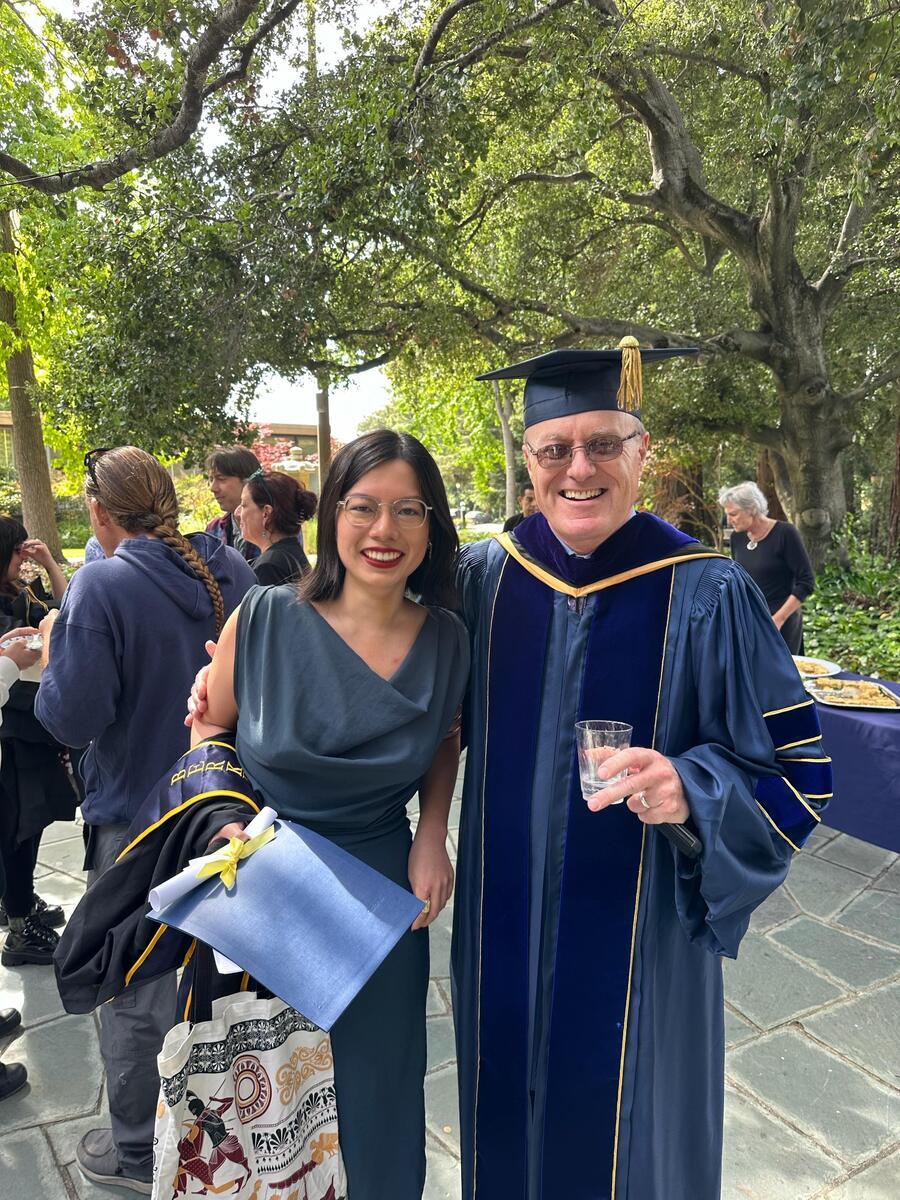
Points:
[(597, 741)]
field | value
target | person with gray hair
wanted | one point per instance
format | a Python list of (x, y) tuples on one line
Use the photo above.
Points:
[(773, 555)]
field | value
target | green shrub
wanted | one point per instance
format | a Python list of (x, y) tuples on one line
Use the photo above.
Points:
[(466, 536), (196, 504), (853, 618), (10, 496)]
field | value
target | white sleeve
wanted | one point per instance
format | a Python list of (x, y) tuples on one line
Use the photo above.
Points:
[(9, 674)]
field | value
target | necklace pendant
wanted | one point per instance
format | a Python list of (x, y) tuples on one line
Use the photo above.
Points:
[(752, 543)]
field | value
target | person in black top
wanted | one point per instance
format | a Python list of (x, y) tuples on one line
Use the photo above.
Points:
[(528, 506), (273, 507), (34, 781), (773, 555)]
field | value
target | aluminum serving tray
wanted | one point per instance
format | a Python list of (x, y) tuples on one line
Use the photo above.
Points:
[(822, 696)]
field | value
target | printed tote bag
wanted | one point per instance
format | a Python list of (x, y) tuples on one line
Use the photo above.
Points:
[(247, 1106)]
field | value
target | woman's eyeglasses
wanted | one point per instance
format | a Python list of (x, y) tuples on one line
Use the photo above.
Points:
[(360, 510), (598, 449), (90, 461)]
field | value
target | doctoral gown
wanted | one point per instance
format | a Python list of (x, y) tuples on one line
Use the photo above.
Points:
[(586, 949)]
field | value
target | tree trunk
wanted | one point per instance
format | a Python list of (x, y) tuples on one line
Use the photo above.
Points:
[(813, 436), (32, 468), (765, 477), (892, 541), (324, 431), (503, 405)]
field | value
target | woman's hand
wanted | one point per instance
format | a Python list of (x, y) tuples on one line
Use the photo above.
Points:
[(232, 829), (430, 874), (35, 550)]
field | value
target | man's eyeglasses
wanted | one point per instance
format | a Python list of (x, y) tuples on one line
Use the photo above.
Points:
[(598, 449), (360, 510), (90, 461)]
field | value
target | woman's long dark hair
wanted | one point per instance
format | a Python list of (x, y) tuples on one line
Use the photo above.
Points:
[(433, 579), (12, 534)]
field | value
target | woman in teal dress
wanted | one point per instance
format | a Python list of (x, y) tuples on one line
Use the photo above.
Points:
[(345, 694)]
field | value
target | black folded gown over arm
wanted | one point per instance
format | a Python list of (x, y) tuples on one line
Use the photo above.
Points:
[(109, 943)]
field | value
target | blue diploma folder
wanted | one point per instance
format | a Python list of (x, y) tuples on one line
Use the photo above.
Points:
[(305, 918)]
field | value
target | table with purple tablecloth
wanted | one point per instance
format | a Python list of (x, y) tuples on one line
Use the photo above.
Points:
[(864, 746)]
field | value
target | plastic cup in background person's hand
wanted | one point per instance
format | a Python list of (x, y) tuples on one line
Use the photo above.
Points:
[(597, 741)]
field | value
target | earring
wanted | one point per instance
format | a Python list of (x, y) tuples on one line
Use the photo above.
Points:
[(429, 549)]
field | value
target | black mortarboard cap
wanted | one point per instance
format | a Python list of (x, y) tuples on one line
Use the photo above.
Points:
[(562, 383)]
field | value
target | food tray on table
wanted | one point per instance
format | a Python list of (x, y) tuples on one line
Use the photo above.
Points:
[(853, 693), (815, 667)]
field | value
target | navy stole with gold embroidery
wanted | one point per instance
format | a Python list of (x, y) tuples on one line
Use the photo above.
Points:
[(601, 855)]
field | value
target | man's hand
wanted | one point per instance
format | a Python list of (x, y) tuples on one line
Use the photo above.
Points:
[(197, 703), (430, 875), (19, 652), (652, 787)]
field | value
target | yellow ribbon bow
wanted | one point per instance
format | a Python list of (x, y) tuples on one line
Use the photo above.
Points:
[(224, 862)]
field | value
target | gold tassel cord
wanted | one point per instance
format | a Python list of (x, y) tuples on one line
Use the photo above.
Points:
[(630, 393)]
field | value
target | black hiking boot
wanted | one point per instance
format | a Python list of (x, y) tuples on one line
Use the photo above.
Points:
[(29, 941)]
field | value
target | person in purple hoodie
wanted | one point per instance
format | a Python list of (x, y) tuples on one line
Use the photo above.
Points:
[(123, 652)]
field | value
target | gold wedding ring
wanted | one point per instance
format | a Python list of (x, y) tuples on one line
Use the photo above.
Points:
[(426, 908), (643, 800)]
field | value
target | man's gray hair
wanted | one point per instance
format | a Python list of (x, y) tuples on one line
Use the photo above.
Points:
[(746, 496)]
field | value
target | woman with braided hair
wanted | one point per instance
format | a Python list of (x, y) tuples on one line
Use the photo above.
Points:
[(124, 650)]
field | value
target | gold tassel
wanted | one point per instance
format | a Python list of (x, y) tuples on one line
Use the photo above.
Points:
[(630, 393)]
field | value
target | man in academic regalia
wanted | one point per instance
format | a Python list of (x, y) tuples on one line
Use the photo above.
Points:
[(587, 947)]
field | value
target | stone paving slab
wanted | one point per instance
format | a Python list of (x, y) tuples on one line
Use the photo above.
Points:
[(435, 1004), (66, 854), (847, 958), (738, 1029), (876, 914), (64, 1073), (441, 1044), (442, 1174), (821, 888), (766, 1160), (442, 1107), (879, 1182), (865, 1031), (775, 911), (890, 880), (28, 1168), (32, 990), (771, 987), (819, 837), (859, 856), (842, 1108)]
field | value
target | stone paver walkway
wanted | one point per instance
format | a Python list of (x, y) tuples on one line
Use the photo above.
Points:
[(813, 1072)]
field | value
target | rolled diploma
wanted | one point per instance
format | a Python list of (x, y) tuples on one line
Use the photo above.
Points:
[(186, 880)]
